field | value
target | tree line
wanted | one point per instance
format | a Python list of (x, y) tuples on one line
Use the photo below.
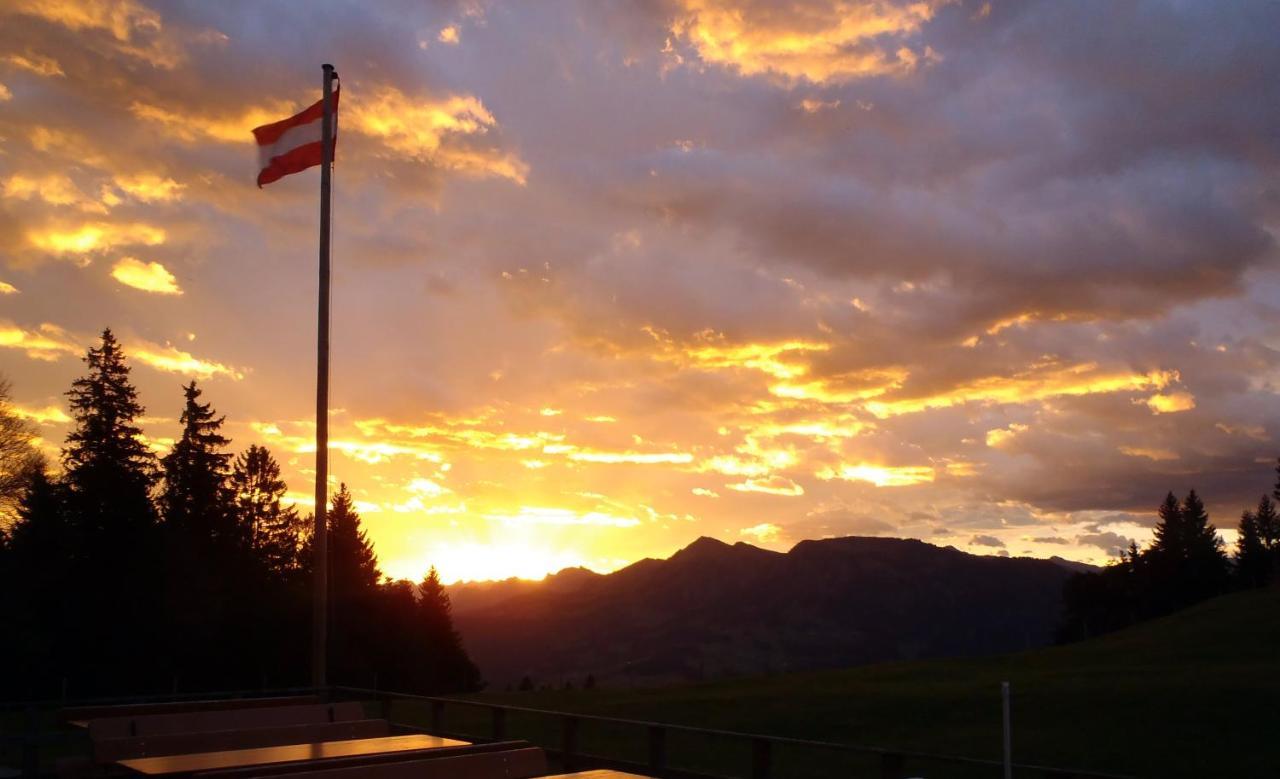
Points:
[(125, 572), (1185, 563)]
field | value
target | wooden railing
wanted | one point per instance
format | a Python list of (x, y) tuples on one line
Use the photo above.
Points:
[(759, 751), (759, 748)]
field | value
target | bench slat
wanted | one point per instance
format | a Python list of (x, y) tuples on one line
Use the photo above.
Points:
[(109, 750), (228, 719)]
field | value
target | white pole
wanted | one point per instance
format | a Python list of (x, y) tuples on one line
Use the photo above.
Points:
[(1008, 736)]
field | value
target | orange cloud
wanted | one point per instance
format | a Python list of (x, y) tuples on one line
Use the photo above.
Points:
[(97, 236), (40, 65), (48, 342), (133, 29), (1171, 402), (762, 533), (146, 276), (880, 475), (820, 42), (426, 128), (174, 360), (1039, 382), (776, 485)]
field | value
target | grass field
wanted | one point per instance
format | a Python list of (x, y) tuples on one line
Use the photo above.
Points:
[(1196, 694)]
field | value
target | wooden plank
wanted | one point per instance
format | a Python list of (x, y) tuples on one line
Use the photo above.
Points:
[(110, 750), (224, 719), (598, 774), (237, 758), (80, 715)]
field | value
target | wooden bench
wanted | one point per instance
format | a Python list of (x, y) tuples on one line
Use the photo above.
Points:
[(223, 719), (504, 764), (520, 763), (85, 713), (362, 762), (109, 750)]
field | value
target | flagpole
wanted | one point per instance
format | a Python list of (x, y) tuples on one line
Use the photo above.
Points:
[(320, 598)]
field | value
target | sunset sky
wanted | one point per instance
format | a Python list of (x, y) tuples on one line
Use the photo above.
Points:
[(611, 275)]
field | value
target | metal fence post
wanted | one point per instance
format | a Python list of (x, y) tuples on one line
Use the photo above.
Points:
[(569, 742), (499, 723), (437, 716), (657, 748), (30, 747), (1008, 736), (761, 758)]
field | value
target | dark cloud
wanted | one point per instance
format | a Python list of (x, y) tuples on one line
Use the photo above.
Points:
[(986, 541)]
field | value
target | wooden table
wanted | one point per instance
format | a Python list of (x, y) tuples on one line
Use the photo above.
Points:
[(168, 765), (598, 774)]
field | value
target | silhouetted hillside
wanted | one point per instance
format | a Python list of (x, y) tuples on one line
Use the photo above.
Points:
[(715, 610), (1189, 695)]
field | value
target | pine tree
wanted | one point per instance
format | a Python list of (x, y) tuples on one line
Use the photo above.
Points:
[(1252, 561), (1268, 524), (116, 585), (1169, 539), (109, 470), (1207, 567), (452, 670), (1269, 536), (275, 532), (195, 500), (353, 565)]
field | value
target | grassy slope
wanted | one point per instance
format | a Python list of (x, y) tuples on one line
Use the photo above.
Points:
[(1195, 694)]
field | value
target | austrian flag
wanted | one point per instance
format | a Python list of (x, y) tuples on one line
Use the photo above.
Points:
[(292, 145)]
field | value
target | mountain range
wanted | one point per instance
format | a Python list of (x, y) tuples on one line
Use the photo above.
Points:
[(715, 610)]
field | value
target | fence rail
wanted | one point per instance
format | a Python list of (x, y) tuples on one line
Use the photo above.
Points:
[(758, 749), (893, 762)]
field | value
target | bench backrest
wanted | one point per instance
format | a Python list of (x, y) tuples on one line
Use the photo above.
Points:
[(229, 719), (109, 750), (362, 762), (177, 707), (507, 764)]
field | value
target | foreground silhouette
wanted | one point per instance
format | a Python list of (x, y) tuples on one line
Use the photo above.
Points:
[(206, 586)]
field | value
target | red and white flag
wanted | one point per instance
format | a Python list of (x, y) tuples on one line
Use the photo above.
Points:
[(292, 145)]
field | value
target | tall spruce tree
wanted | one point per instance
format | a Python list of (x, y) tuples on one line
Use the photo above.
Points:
[(353, 590), (450, 670), (109, 471), (1269, 535), (116, 579), (1169, 538), (1207, 569), (196, 500), (1252, 561), (353, 565), (275, 531)]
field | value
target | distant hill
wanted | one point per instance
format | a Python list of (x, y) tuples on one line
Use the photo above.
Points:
[(714, 610), (1189, 695)]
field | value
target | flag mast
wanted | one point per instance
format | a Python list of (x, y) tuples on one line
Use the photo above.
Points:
[(320, 546)]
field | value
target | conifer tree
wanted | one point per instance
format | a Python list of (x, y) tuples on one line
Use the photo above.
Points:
[(1252, 561), (195, 500), (1207, 569), (453, 671), (1269, 535), (108, 469), (274, 531), (1169, 539), (353, 565), (1268, 524)]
